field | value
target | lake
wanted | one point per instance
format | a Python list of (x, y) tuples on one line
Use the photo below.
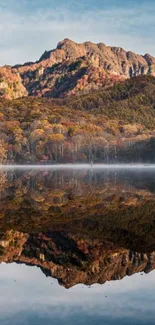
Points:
[(77, 245)]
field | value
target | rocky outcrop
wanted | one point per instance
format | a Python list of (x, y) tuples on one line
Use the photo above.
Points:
[(11, 86), (74, 68)]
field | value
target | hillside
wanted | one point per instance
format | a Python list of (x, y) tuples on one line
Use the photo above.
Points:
[(73, 68), (113, 125)]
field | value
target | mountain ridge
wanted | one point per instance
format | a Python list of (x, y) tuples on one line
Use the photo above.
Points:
[(73, 68)]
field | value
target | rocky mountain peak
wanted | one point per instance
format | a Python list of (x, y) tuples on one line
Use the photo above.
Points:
[(149, 58), (74, 68), (64, 43)]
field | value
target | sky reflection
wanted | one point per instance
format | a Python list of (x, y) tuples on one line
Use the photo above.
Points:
[(31, 298)]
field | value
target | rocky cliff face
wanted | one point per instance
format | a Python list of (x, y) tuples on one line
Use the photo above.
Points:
[(11, 86), (73, 68)]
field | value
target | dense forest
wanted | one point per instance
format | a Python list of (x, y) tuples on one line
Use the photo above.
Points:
[(111, 125)]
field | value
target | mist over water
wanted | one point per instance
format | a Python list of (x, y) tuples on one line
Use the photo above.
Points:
[(80, 166)]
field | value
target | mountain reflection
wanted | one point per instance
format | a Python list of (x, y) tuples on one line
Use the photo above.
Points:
[(79, 226)]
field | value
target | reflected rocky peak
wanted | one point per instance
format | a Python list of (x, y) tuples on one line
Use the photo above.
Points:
[(79, 226), (72, 259)]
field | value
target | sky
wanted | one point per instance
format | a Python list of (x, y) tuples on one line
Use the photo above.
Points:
[(29, 27)]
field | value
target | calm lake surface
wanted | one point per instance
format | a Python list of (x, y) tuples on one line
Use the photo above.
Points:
[(77, 245)]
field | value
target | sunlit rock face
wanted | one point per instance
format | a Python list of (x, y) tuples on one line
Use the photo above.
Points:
[(79, 226), (11, 86)]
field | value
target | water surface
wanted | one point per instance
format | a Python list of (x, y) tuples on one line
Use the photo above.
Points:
[(77, 245)]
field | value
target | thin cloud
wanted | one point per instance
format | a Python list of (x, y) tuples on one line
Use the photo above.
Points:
[(24, 36)]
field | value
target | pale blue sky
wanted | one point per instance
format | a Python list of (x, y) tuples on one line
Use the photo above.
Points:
[(29, 27)]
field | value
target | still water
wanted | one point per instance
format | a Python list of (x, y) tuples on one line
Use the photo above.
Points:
[(77, 246)]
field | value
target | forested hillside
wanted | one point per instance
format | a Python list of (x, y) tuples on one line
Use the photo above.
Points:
[(110, 125)]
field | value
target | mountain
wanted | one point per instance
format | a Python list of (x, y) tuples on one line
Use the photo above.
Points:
[(97, 104), (73, 68)]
